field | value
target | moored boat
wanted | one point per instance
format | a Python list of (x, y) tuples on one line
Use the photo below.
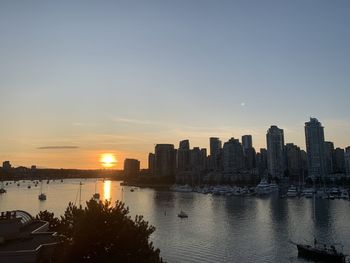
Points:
[(182, 214), (321, 252)]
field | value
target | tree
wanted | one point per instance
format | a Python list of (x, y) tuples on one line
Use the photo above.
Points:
[(104, 233)]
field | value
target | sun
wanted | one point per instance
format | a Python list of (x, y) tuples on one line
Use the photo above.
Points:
[(108, 160)]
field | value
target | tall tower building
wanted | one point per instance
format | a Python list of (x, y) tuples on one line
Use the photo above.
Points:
[(247, 142), (165, 160), (233, 158), (294, 163), (347, 160), (339, 160), (249, 152), (215, 150), (275, 151), (314, 137), (184, 156), (329, 157)]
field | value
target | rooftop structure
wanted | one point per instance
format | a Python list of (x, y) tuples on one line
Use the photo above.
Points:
[(24, 238)]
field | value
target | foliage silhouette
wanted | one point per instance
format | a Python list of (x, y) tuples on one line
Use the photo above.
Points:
[(101, 232)]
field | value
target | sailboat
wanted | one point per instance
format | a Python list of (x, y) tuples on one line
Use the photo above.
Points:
[(42, 196), (96, 195)]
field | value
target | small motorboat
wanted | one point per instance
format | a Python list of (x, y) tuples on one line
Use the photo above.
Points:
[(182, 214), (2, 190)]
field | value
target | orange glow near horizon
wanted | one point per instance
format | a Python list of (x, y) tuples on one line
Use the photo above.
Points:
[(108, 160)]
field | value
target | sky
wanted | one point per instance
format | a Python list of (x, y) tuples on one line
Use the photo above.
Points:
[(83, 78)]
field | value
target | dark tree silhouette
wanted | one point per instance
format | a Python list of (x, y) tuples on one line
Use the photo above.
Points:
[(101, 232)]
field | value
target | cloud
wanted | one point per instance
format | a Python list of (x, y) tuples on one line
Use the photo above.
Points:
[(57, 147)]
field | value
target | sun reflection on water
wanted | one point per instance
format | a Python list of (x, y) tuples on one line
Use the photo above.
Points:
[(107, 190)]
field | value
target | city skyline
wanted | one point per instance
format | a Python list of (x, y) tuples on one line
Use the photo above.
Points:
[(82, 79)]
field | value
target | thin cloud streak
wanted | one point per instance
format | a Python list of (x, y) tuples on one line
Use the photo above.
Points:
[(57, 147)]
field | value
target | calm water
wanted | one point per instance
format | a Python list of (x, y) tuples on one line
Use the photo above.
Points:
[(219, 229)]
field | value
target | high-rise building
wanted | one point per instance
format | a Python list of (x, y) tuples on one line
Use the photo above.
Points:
[(261, 160), (347, 160), (339, 160), (131, 167), (151, 163), (204, 159), (294, 163), (165, 160), (184, 156), (329, 157), (233, 158), (196, 159), (247, 142), (215, 153), (314, 137), (275, 151), (249, 152)]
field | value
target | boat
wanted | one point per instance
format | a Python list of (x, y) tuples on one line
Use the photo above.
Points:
[(322, 252), (29, 187), (96, 195), (42, 196), (263, 188), (309, 192), (2, 189), (182, 214), (273, 187), (292, 191)]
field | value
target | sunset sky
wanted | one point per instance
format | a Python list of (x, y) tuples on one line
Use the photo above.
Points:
[(83, 78)]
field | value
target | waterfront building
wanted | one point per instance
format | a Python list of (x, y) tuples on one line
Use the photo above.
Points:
[(347, 160), (294, 165), (233, 158), (339, 160), (6, 165), (275, 151), (25, 239), (314, 137), (215, 153), (151, 163), (184, 156), (329, 156), (131, 167), (165, 160)]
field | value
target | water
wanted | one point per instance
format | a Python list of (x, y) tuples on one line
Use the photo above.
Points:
[(219, 229)]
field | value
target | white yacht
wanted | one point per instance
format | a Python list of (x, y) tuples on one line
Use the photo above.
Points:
[(263, 187), (292, 191), (273, 187)]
